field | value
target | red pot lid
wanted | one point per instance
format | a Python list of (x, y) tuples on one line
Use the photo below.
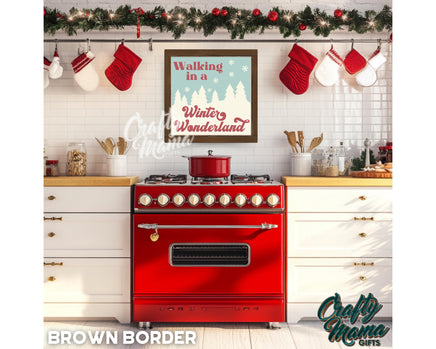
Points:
[(209, 156)]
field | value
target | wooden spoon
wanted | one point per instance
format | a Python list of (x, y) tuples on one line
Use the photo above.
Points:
[(103, 145), (292, 140), (315, 142), (121, 145), (301, 140), (109, 145)]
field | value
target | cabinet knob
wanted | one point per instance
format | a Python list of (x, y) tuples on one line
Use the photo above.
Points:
[(51, 197), (362, 235), (362, 197), (362, 278), (51, 278), (51, 234)]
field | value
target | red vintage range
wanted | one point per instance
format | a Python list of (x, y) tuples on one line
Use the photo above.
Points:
[(208, 250)]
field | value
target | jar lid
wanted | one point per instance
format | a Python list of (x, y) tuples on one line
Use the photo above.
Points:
[(51, 162)]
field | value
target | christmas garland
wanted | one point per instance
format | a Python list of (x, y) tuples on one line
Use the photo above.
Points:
[(238, 22)]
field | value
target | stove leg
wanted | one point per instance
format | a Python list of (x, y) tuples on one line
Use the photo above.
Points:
[(144, 325), (273, 325)]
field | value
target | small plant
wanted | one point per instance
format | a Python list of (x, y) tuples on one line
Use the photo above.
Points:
[(358, 163)]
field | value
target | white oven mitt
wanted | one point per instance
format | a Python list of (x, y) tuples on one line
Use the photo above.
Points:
[(55, 71), (84, 71), (368, 76), (327, 72)]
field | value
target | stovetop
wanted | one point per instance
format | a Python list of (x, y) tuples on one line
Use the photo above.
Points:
[(234, 179)]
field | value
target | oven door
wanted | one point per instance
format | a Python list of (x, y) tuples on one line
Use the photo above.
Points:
[(208, 254)]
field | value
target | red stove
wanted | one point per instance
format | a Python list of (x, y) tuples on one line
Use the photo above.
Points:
[(208, 250)]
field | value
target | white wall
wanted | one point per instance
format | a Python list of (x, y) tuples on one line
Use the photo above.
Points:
[(344, 112)]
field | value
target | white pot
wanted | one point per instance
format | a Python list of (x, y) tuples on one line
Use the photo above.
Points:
[(116, 165), (301, 164)]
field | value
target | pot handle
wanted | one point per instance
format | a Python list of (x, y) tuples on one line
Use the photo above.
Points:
[(209, 152), (185, 156)]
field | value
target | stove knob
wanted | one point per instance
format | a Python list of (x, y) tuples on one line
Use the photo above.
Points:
[(225, 200), (193, 200), (145, 200), (273, 200), (178, 200), (240, 200), (209, 200), (163, 200), (256, 200)]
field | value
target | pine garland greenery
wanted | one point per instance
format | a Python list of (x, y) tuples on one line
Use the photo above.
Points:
[(238, 22)]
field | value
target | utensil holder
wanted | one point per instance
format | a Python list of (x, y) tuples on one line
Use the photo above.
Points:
[(301, 164), (116, 165)]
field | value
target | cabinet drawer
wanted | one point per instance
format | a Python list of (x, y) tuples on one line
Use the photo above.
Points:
[(87, 235), (339, 235), (87, 280), (351, 199), (315, 279), (87, 199)]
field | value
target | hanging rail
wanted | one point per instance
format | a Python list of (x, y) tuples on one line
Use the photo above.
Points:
[(147, 41)]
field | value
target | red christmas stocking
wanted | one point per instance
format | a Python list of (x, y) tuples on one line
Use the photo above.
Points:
[(120, 72)]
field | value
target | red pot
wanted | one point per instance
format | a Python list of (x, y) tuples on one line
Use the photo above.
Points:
[(214, 166)]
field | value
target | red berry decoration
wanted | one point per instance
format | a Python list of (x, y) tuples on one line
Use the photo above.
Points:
[(338, 13), (273, 16), (216, 12), (164, 15), (223, 13), (150, 16), (59, 15), (302, 26), (256, 12)]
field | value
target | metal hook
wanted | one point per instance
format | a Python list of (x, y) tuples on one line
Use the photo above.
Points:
[(122, 41), (352, 43), (89, 44), (296, 41), (331, 44), (379, 43), (56, 44), (150, 44)]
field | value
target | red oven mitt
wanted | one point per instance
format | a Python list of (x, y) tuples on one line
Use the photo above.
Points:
[(120, 72), (295, 76), (354, 62)]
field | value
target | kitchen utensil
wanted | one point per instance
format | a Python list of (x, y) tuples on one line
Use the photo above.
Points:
[(121, 145), (110, 146), (214, 166), (292, 140), (315, 142), (301, 140), (102, 145)]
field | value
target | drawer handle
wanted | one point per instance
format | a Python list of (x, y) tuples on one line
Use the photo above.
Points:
[(51, 197), (363, 218), (362, 197), (51, 278), (364, 264), (155, 236), (52, 218), (363, 235), (51, 234), (52, 264), (362, 278)]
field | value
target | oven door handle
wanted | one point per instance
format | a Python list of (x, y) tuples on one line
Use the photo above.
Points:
[(263, 226)]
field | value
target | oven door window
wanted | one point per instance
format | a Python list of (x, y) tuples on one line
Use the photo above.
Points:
[(209, 254)]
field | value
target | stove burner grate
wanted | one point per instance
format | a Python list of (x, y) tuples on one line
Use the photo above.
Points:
[(209, 180), (166, 179), (238, 179)]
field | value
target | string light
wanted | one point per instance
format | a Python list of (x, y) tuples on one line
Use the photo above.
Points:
[(344, 17), (371, 23), (323, 23), (288, 16), (234, 22), (197, 20), (70, 18), (112, 15)]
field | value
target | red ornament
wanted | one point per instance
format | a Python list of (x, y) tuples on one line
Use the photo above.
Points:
[(164, 15), (256, 12), (273, 16), (59, 15), (223, 13), (150, 16), (302, 26), (44, 12), (216, 12), (338, 13), (390, 37)]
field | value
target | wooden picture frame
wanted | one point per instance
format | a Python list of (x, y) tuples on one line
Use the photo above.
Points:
[(211, 95)]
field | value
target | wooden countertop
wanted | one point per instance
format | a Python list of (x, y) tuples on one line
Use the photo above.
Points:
[(89, 181), (335, 182)]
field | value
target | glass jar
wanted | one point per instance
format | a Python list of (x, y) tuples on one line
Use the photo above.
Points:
[(76, 159), (51, 168), (332, 164)]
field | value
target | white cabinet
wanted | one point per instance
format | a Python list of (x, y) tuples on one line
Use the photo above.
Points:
[(339, 241), (87, 252)]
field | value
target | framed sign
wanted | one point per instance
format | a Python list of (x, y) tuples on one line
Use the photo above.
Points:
[(211, 95)]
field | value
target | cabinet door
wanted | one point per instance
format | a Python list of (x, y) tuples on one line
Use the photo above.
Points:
[(87, 280), (339, 235), (350, 199), (315, 279), (87, 199), (87, 235)]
